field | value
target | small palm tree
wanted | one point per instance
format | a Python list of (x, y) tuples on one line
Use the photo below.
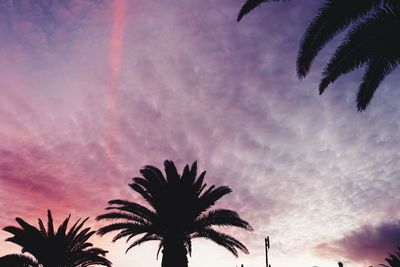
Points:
[(393, 259), (50, 248), (373, 41), (179, 212)]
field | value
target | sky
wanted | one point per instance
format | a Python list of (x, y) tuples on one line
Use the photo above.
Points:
[(92, 91)]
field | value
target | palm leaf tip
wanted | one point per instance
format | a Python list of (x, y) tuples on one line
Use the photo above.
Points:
[(302, 71), (323, 85), (248, 6)]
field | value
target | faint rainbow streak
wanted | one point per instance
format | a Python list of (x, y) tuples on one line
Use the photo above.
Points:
[(117, 34)]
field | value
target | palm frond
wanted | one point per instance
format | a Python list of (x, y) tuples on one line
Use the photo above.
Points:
[(393, 259), (121, 216), (62, 229), (144, 193), (368, 39), (223, 240), (250, 5), (42, 228), (154, 177), (81, 238), (132, 232), (74, 230), (92, 258), (221, 217), (198, 185), (333, 17), (133, 208), (376, 71), (147, 237), (119, 226), (50, 226), (156, 172), (171, 171), (210, 196)]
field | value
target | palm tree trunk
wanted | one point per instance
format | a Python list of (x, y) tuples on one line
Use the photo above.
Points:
[(174, 254)]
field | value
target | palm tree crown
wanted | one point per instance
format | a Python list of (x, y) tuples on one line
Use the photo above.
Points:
[(179, 211), (54, 248), (372, 41)]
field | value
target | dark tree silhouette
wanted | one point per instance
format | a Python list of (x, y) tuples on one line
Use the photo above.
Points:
[(179, 212), (393, 259), (18, 260), (53, 248), (372, 42)]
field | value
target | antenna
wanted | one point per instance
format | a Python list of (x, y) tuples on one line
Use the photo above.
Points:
[(266, 251)]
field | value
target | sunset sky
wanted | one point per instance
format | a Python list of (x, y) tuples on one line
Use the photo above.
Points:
[(91, 91)]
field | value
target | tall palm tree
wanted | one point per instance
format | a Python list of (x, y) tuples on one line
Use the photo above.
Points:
[(179, 211), (393, 259), (50, 248), (372, 41)]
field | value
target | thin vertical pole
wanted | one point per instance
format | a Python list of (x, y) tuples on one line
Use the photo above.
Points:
[(266, 250)]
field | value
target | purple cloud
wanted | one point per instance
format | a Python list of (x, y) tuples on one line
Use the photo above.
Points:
[(367, 245)]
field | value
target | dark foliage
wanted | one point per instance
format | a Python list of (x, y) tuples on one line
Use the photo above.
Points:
[(393, 259), (50, 247), (179, 211), (372, 42), (249, 5)]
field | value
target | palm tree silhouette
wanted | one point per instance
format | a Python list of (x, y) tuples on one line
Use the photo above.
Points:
[(372, 41), (179, 212), (50, 248), (393, 259)]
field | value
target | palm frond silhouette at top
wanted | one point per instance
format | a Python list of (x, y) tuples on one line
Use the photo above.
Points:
[(50, 247), (179, 212), (249, 5), (393, 259), (372, 42)]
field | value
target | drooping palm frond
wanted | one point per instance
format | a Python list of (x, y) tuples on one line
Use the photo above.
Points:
[(377, 70), (393, 259), (250, 5), (210, 196), (177, 213), (373, 42), (145, 238), (221, 217), (60, 247), (332, 18), (224, 240)]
